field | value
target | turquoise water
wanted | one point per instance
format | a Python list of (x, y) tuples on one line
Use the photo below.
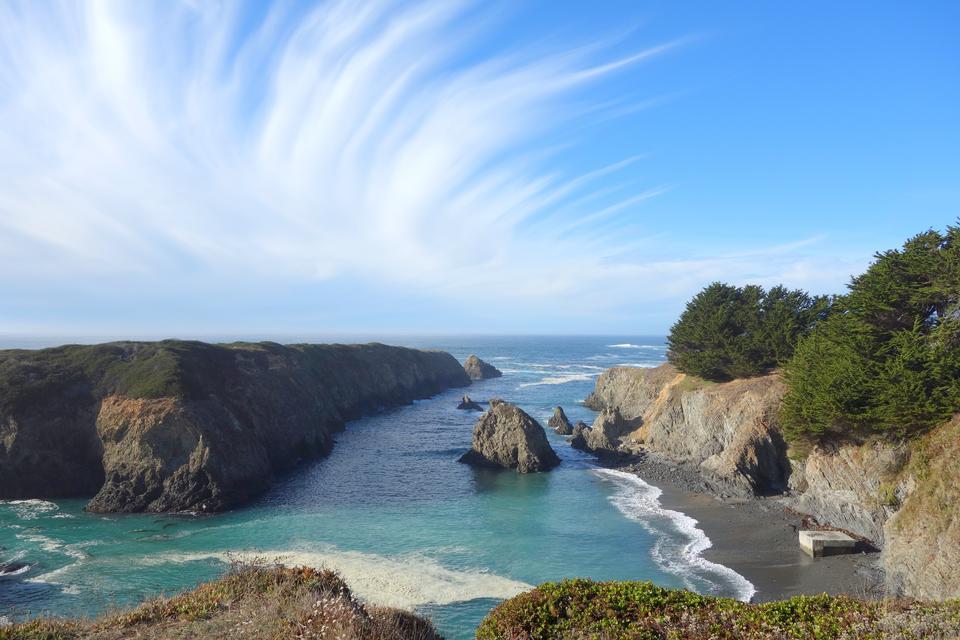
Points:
[(394, 512)]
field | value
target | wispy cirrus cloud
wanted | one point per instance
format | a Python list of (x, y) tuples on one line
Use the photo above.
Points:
[(222, 143)]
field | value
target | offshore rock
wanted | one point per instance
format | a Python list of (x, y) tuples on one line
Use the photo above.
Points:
[(505, 436), (559, 422), (469, 405), (477, 369), (189, 426)]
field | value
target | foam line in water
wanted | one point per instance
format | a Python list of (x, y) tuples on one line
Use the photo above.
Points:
[(627, 345), (640, 501), (563, 379), (404, 582)]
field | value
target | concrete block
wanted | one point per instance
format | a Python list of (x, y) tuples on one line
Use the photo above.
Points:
[(826, 543)]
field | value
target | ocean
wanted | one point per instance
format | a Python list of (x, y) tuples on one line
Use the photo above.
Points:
[(394, 512)]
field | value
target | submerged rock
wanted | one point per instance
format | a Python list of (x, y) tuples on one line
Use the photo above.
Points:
[(13, 568), (477, 369), (506, 436), (559, 422), (469, 405)]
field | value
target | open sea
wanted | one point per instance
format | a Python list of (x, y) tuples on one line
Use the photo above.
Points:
[(394, 512)]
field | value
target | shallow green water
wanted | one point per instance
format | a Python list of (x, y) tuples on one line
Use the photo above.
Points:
[(394, 512)]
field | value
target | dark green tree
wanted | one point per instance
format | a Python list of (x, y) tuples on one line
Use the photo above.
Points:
[(731, 332), (886, 360)]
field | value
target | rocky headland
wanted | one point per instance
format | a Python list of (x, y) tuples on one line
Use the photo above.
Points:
[(900, 496), (189, 426), (477, 369), (507, 437)]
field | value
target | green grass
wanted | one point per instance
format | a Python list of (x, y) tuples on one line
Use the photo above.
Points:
[(581, 609)]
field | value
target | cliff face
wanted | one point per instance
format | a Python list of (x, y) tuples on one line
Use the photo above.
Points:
[(902, 497), (177, 425), (922, 554), (728, 431)]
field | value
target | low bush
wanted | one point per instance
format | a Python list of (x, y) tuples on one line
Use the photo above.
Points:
[(581, 609)]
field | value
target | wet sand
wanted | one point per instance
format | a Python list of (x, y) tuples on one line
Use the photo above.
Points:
[(757, 538)]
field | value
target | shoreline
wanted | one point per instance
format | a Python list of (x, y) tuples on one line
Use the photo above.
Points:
[(756, 537)]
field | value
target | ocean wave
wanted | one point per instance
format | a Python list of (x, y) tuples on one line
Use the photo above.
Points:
[(562, 379), (30, 509), (404, 582), (628, 345), (640, 365), (640, 501)]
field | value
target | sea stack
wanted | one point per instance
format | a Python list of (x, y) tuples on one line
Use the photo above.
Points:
[(469, 405), (559, 422), (477, 369), (505, 436)]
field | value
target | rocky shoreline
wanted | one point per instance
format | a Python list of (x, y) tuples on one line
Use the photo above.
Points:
[(189, 426), (754, 536), (723, 440)]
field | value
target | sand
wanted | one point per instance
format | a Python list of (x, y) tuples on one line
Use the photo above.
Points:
[(757, 537)]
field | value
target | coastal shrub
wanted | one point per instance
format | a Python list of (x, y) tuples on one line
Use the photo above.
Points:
[(581, 609), (729, 332), (254, 600), (887, 359)]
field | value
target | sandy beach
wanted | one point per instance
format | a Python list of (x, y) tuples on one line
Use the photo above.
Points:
[(757, 537)]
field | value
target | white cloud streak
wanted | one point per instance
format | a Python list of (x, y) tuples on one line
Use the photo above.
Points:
[(365, 140)]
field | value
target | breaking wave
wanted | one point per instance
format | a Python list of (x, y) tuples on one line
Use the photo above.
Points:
[(679, 550)]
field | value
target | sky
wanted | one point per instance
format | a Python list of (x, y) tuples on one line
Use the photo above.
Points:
[(200, 168)]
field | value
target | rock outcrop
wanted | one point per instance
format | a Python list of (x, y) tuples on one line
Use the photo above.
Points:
[(560, 423), (505, 436), (466, 404), (900, 496), (477, 369), (188, 426), (922, 550), (727, 431), (604, 436)]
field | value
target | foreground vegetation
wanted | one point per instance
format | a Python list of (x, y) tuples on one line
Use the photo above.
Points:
[(581, 609), (251, 601), (882, 359)]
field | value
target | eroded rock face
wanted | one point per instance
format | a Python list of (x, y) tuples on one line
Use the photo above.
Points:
[(559, 422), (477, 369), (729, 431), (466, 404), (883, 491), (922, 552), (188, 426), (845, 485), (506, 436)]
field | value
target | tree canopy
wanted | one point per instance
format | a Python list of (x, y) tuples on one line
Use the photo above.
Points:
[(886, 360), (731, 332)]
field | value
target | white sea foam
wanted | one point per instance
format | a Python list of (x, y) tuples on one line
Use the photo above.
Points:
[(404, 582), (30, 509), (640, 501), (627, 345), (640, 365), (561, 379)]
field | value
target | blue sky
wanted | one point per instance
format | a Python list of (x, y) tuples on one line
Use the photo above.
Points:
[(185, 169)]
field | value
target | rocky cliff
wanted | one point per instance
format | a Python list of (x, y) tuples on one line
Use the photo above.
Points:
[(728, 431), (900, 496), (175, 425)]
